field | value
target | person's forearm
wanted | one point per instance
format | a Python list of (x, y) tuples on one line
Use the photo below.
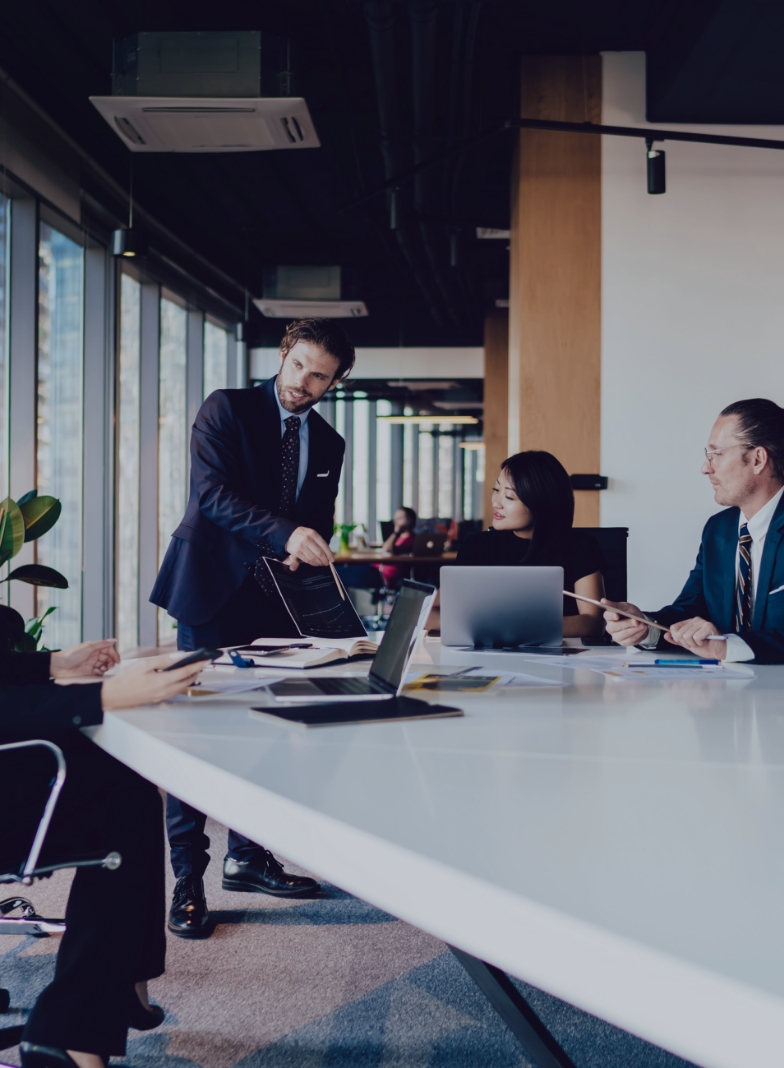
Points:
[(583, 626), (43, 710)]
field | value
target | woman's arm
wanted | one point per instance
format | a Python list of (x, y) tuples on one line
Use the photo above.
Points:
[(589, 623), (389, 544)]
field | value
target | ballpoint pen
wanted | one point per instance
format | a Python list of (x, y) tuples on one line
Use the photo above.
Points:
[(682, 663), (718, 637)]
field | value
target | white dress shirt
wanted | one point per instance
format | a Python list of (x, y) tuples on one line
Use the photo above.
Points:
[(758, 525), (304, 437)]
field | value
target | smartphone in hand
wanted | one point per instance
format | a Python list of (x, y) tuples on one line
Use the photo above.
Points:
[(194, 658)]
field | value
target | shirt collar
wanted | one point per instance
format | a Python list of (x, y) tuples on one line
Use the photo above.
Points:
[(284, 415), (759, 523)]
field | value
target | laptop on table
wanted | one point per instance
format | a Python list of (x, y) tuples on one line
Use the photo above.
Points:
[(388, 669), (502, 607)]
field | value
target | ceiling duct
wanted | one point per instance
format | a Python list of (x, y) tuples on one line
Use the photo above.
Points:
[(202, 92)]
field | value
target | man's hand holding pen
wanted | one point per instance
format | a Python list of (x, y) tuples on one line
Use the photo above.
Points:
[(306, 546)]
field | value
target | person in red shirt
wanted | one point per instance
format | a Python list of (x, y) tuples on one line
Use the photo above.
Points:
[(401, 540)]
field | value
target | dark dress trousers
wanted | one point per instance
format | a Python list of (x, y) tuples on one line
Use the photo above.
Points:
[(206, 579), (114, 919), (710, 588)]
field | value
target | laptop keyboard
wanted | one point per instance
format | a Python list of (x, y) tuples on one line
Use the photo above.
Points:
[(338, 686)]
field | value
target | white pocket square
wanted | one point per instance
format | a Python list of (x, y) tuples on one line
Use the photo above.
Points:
[(323, 474), (777, 590)]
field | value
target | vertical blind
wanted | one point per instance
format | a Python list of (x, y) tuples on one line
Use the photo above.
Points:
[(128, 457), (60, 423)]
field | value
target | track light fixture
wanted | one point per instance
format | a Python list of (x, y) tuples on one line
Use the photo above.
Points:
[(127, 243), (656, 174)]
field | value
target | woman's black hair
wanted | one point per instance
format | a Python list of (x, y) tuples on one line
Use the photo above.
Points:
[(411, 516), (544, 487)]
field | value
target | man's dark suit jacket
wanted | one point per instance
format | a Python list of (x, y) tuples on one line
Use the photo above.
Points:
[(231, 518), (710, 588)]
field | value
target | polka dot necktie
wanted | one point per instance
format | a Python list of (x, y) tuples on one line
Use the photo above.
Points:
[(289, 471), (744, 583)]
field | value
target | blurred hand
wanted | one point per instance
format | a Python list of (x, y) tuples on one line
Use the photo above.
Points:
[(691, 635), (622, 630), (144, 683), (89, 658), (308, 547)]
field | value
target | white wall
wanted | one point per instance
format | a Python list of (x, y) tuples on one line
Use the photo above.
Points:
[(394, 363), (692, 319)]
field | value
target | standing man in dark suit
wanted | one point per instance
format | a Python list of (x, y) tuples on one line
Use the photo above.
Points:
[(732, 606), (264, 477)]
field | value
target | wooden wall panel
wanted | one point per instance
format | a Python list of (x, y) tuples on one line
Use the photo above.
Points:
[(496, 433), (555, 294)]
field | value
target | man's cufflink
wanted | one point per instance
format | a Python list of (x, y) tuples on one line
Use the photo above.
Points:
[(322, 474)]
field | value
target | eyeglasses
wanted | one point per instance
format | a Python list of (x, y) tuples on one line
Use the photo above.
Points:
[(716, 454)]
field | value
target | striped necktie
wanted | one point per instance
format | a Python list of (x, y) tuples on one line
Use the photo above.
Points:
[(743, 588)]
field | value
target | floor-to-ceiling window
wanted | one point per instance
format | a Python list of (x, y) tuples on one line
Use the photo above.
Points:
[(172, 433), (216, 357), (128, 455), (5, 230), (60, 422)]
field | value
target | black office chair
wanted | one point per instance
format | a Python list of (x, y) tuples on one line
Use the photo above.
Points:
[(612, 542), (29, 922)]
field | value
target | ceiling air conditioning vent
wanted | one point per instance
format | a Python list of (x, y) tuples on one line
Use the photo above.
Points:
[(217, 124), (311, 309)]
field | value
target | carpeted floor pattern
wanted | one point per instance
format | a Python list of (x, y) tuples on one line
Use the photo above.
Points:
[(327, 983)]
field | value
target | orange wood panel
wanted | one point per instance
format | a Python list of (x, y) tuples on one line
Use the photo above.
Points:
[(496, 411), (555, 264)]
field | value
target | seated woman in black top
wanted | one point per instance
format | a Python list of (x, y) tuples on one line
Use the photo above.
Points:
[(533, 510)]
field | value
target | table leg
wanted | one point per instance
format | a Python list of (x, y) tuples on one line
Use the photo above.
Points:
[(539, 1045)]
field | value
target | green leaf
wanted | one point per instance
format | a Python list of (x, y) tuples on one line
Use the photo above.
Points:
[(13, 530), (40, 514), (35, 626), (38, 575), (27, 497), (25, 644)]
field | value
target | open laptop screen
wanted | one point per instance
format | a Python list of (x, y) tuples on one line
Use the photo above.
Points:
[(396, 646)]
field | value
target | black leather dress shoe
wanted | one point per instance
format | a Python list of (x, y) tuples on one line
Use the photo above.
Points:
[(188, 915), (264, 875)]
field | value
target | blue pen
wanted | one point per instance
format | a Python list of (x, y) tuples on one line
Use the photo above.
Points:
[(682, 663)]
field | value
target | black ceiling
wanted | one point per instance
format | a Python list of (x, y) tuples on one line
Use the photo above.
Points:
[(387, 84)]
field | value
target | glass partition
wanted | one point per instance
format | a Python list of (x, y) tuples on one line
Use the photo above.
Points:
[(128, 454), (172, 435), (60, 418), (216, 358)]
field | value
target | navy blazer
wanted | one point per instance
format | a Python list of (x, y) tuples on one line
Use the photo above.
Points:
[(231, 518), (710, 588)]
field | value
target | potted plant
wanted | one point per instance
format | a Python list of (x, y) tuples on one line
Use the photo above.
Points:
[(21, 521)]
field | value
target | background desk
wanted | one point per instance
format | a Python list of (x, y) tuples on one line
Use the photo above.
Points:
[(620, 845)]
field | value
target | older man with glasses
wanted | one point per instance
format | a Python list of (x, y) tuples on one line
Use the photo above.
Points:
[(732, 606)]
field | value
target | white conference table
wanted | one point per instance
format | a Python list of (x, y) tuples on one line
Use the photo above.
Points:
[(617, 844)]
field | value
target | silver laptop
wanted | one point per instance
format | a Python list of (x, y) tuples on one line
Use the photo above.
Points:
[(501, 607), (388, 670)]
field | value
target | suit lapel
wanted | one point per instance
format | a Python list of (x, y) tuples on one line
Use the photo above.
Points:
[(727, 566), (772, 541), (318, 459)]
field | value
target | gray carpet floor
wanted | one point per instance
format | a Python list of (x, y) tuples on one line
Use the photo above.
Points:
[(317, 984)]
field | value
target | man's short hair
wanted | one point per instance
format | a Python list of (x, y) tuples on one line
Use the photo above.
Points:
[(762, 425), (326, 333)]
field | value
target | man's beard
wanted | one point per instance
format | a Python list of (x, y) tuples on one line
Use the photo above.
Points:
[(297, 408)]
